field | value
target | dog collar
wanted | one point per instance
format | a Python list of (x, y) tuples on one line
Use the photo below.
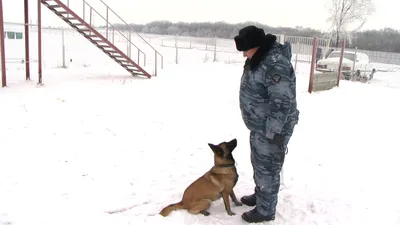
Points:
[(226, 165)]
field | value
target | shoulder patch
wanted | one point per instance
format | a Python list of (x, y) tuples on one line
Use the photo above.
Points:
[(276, 78)]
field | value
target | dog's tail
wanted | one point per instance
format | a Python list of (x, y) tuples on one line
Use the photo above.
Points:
[(168, 209)]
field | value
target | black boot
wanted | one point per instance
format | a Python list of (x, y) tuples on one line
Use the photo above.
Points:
[(249, 200), (253, 216)]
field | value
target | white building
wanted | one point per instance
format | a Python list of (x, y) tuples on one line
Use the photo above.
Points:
[(12, 31)]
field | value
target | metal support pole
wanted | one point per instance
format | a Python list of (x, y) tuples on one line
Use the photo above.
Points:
[(130, 45), (39, 4), (155, 60), (27, 67), (83, 9), (2, 49), (107, 23), (138, 57)]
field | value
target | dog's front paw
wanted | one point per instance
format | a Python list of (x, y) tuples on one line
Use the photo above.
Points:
[(231, 213)]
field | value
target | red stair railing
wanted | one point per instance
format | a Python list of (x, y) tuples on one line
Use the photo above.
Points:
[(111, 31), (156, 53)]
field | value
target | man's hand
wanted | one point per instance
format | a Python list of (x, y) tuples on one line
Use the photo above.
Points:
[(278, 140)]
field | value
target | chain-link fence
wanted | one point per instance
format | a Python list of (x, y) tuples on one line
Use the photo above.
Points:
[(223, 50), (66, 47)]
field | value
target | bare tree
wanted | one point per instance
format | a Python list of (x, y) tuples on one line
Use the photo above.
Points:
[(347, 17)]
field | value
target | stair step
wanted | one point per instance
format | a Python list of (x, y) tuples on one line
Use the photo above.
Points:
[(76, 24), (130, 66), (137, 71), (54, 6), (111, 51), (61, 12), (127, 66), (124, 64), (67, 19), (134, 71), (137, 74), (102, 47), (99, 44), (115, 55), (97, 41), (83, 30), (91, 36)]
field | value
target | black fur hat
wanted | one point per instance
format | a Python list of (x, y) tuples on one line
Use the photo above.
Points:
[(249, 37)]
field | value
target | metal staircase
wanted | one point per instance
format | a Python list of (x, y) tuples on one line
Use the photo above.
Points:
[(104, 42)]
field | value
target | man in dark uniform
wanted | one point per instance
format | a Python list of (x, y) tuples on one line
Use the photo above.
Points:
[(269, 110)]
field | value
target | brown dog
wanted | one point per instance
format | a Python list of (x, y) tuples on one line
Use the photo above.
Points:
[(218, 181)]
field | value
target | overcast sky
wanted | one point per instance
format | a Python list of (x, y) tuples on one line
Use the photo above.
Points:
[(306, 13)]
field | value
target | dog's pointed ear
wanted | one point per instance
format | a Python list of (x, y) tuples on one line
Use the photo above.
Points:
[(216, 149), (232, 144)]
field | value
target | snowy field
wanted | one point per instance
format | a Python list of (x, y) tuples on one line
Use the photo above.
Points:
[(94, 140)]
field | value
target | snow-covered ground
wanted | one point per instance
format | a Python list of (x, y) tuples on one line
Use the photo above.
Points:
[(94, 140), (388, 79)]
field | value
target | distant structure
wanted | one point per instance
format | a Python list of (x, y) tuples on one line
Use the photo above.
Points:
[(83, 25), (13, 32)]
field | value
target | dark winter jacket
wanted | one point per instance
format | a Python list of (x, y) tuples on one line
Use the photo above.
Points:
[(268, 91)]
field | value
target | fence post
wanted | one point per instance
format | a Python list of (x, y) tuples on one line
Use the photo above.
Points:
[(63, 48), (215, 49), (297, 54), (354, 61), (282, 39), (314, 49), (176, 49)]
